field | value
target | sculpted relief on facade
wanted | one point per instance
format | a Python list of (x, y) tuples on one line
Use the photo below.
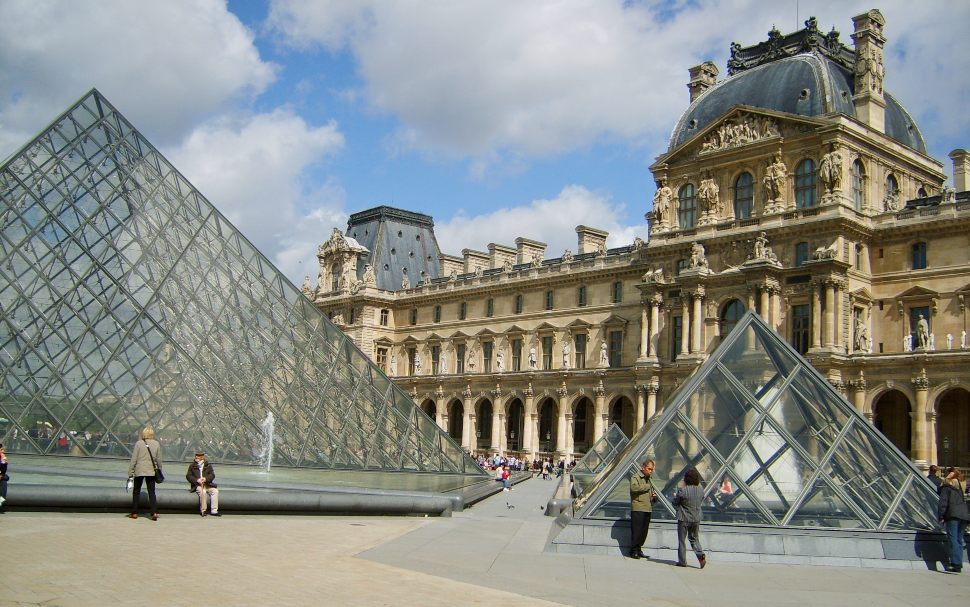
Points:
[(745, 129)]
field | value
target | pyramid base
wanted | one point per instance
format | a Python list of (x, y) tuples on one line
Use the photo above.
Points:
[(757, 544)]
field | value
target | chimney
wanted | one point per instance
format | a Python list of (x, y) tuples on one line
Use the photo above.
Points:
[(961, 160), (702, 77), (590, 239), (525, 249), (499, 254), (870, 105)]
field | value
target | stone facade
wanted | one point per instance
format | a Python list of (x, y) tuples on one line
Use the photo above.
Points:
[(843, 239)]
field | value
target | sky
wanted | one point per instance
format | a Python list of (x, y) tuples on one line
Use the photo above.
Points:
[(498, 118)]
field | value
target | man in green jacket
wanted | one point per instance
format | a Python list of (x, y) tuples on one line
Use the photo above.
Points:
[(642, 497)]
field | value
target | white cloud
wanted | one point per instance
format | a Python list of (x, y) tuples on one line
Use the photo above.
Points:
[(552, 221), (257, 171), (165, 65), (546, 77)]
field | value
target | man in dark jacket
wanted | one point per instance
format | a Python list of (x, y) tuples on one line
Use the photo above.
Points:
[(934, 476), (954, 515), (202, 480), (642, 497)]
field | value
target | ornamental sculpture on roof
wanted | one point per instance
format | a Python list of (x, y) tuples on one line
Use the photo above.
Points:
[(745, 129)]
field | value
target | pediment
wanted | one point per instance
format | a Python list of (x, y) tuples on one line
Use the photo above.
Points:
[(458, 336), (614, 320), (434, 337), (579, 323), (741, 126), (546, 327), (515, 329), (383, 341), (918, 292), (861, 294), (486, 332)]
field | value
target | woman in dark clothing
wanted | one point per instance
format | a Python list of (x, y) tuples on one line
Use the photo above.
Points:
[(954, 515), (688, 501), (146, 456)]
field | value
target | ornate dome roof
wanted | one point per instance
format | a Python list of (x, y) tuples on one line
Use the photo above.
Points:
[(804, 73)]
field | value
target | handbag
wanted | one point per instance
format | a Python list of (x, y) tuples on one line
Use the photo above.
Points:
[(159, 477)]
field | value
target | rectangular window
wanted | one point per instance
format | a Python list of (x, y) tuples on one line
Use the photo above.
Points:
[(437, 313), (385, 315), (462, 311), (414, 316), (518, 303), (487, 356), (382, 359), (676, 334), (547, 352), (580, 343), (617, 291), (352, 316), (581, 296), (801, 254), (412, 353), (919, 256), (516, 354), (549, 300), (615, 348), (435, 359), (801, 327), (489, 307), (459, 358), (681, 265)]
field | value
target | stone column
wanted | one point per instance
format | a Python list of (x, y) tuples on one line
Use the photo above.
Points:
[(652, 390), (570, 426), (859, 394), (599, 412), (644, 331), (685, 324), (829, 315), (495, 445), (921, 455), (765, 304), (561, 428), (776, 309), (931, 436), (467, 432), (639, 418), (816, 317), (530, 426), (697, 322), (654, 328)]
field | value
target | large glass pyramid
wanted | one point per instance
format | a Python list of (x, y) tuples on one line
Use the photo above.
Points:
[(597, 458), (126, 299), (775, 445)]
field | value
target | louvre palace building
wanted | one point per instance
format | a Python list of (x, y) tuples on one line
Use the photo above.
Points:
[(793, 186)]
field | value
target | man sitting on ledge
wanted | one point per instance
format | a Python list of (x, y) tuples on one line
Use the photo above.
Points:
[(202, 480)]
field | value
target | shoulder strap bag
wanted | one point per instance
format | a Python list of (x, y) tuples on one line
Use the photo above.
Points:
[(159, 477)]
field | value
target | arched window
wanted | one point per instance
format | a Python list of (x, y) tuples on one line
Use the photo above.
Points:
[(730, 315), (892, 190), (687, 206), (806, 192), (921, 193), (858, 184), (335, 277), (801, 254), (744, 196)]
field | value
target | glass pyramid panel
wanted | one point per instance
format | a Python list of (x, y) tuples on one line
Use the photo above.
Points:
[(598, 456), (774, 443), (127, 300)]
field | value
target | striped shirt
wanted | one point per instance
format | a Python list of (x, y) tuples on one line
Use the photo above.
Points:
[(688, 501)]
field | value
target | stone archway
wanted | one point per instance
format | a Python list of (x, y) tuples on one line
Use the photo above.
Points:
[(548, 425), (456, 419), (583, 411), (891, 416), (430, 408), (515, 425), (953, 428), (483, 425), (622, 413)]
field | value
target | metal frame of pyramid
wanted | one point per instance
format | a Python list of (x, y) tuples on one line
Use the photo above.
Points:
[(127, 299), (603, 451), (776, 445)]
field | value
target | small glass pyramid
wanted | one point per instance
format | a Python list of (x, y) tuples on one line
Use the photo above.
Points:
[(596, 459), (127, 299), (775, 445)]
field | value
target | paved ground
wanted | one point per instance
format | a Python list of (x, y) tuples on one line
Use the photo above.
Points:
[(487, 555)]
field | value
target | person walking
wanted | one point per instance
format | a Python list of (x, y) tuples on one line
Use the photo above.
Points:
[(642, 497), (688, 500), (4, 477), (202, 480), (954, 515), (146, 456)]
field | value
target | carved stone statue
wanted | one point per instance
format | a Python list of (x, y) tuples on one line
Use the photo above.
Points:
[(369, 279), (923, 332), (604, 356), (949, 341), (638, 243), (507, 266), (932, 342), (500, 362), (774, 180), (393, 365), (453, 275), (963, 340), (532, 357), (565, 353), (861, 336), (417, 363), (760, 244), (708, 194), (536, 261), (307, 288), (698, 259), (479, 271), (567, 256), (830, 170), (891, 201), (443, 363), (661, 204), (405, 282), (907, 343)]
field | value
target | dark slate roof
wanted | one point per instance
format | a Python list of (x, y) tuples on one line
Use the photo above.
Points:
[(399, 242), (795, 77)]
